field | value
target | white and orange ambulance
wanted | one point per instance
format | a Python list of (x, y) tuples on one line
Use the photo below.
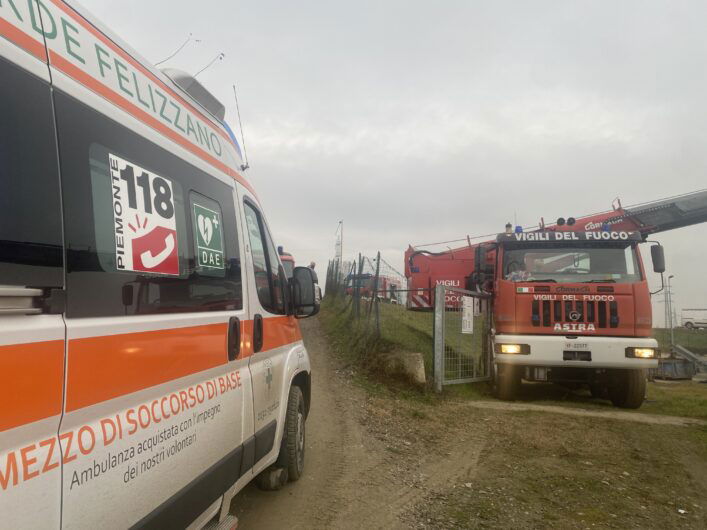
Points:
[(151, 363)]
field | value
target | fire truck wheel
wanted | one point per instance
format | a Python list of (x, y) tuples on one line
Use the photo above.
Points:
[(507, 382), (628, 388)]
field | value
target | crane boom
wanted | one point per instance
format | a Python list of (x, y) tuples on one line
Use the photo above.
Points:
[(668, 214)]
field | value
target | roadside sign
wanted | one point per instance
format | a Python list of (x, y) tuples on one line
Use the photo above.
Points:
[(467, 314)]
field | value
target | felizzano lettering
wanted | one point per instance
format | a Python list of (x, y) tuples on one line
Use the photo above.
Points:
[(72, 40)]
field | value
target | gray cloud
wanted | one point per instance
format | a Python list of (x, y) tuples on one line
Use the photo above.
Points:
[(418, 122)]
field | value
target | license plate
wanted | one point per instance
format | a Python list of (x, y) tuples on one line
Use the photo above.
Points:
[(576, 346)]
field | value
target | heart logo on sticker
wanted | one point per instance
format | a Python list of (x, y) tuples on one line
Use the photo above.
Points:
[(206, 229)]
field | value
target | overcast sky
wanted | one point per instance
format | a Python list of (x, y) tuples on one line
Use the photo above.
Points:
[(418, 122)]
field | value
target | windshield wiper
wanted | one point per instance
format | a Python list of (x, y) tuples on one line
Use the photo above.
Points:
[(538, 281), (600, 281)]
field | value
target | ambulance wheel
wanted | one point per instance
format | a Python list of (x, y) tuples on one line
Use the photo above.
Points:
[(295, 433), (627, 388), (689, 325), (507, 382), (290, 461)]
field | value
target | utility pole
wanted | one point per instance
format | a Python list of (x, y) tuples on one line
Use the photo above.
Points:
[(339, 250), (669, 305)]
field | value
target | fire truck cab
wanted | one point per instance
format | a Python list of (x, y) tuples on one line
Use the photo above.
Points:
[(571, 307)]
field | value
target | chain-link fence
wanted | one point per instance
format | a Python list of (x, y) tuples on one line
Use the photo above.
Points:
[(374, 296), (452, 333)]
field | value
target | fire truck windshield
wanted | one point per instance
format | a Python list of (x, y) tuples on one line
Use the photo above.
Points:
[(289, 267), (571, 264)]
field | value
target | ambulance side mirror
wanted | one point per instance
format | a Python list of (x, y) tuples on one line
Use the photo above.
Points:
[(304, 292), (658, 258)]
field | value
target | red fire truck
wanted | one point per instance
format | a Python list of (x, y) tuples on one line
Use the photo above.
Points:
[(570, 302), (388, 289), (425, 269)]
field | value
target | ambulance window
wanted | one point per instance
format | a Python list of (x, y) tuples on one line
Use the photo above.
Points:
[(145, 229), (278, 274), (30, 216), (267, 273)]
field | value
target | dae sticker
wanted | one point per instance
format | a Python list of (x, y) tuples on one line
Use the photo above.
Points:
[(144, 221), (209, 237)]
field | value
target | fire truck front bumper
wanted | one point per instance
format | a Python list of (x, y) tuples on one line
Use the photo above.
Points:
[(576, 352)]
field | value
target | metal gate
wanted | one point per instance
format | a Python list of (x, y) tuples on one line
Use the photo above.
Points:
[(462, 352)]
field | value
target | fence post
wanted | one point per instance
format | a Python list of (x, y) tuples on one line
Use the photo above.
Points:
[(357, 289), (375, 285), (438, 361), (327, 282), (336, 280)]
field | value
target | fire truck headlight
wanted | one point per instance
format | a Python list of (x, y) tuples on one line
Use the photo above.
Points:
[(641, 353), (522, 349)]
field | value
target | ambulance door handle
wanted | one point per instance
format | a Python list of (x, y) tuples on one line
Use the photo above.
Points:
[(234, 338), (257, 333)]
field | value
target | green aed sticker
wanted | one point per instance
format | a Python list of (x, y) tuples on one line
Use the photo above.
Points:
[(209, 237)]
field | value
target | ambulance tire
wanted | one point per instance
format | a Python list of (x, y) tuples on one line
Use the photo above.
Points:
[(627, 388), (689, 325), (289, 465), (295, 433), (507, 382)]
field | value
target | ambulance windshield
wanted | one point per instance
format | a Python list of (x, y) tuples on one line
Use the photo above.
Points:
[(571, 265)]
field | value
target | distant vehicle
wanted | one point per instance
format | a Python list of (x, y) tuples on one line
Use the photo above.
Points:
[(363, 281), (387, 289), (288, 262), (694, 318)]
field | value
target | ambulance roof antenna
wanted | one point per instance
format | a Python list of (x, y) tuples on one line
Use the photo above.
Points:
[(240, 126), (178, 50), (219, 57)]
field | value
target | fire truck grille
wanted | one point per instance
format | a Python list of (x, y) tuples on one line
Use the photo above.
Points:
[(546, 313)]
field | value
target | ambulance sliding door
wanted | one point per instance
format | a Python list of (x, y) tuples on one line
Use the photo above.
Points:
[(32, 333), (275, 333), (154, 409)]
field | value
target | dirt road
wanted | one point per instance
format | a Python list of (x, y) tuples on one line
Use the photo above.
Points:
[(355, 476), (378, 458)]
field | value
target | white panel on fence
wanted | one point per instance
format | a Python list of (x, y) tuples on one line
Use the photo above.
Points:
[(467, 314)]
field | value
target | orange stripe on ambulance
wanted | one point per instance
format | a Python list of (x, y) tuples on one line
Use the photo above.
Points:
[(26, 463)]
